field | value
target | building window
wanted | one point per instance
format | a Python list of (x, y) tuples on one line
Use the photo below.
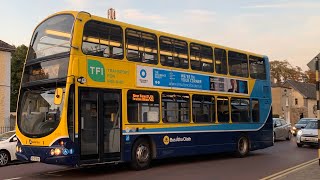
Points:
[(143, 106), (175, 108), (296, 101), (203, 108)]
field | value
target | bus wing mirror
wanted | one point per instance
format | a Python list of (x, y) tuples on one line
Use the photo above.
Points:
[(58, 96)]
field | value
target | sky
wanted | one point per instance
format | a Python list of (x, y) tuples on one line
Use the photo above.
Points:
[(280, 29)]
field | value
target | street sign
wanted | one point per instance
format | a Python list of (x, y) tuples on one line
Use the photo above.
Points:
[(312, 63)]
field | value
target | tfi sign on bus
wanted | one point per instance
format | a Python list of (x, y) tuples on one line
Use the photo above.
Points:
[(96, 70)]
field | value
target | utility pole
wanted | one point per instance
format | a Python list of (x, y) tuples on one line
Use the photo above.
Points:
[(318, 102)]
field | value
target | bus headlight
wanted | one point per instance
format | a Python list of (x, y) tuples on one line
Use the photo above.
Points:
[(52, 152), (18, 149), (294, 128), (57, 151)]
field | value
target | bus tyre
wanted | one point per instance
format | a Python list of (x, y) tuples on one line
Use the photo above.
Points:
[(4, 158), (141, 154), (242, 147)]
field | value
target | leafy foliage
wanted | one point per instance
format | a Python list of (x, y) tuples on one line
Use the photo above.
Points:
[(283, 71), (17, 61)]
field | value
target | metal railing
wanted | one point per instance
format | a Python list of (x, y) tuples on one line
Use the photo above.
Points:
[(4, 129)]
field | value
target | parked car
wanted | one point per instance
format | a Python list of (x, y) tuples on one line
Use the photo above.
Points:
[(300, 124), (308, 135), (281, 129), (8, 143)]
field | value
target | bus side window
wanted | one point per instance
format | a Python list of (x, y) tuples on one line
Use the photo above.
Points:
[(223, 109), (174, 53), (257, 68), (143, 106), (175, 108), (141, 46), (238, 64), (102, 39), (220, 61), (255, 111), (201, 57)]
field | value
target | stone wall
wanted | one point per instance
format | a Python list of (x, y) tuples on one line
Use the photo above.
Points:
[(5, 76)]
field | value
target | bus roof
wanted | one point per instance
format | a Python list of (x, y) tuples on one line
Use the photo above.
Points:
[(160, 33)]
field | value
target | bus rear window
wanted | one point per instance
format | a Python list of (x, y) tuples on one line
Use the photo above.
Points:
[(51, 37)]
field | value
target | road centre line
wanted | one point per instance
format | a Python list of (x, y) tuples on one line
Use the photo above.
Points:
[(290, 170)]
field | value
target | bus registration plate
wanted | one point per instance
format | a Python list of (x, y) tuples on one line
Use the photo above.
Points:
[(35, 158)]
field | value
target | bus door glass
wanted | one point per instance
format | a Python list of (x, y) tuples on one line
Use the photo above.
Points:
[(111, 123), (89, 124)]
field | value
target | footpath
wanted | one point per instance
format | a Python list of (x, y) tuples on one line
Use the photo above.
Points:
[(306, 171)]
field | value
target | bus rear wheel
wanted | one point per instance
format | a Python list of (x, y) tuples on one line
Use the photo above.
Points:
[(141, 154), (243, 147)]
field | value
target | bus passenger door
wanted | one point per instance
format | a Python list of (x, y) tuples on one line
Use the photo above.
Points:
[(110, 127), (88, 116)]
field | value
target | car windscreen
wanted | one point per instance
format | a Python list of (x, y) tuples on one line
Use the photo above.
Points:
[(303, 121), (312, 125)]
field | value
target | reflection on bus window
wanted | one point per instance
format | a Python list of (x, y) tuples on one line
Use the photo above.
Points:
[(220, 61), (238, 64), (141, 46), (240, 110), (201, 57), (203, 108), (175, 108), (257, 68), (102, 39), (223, 109), (143, 106), (174, 53)]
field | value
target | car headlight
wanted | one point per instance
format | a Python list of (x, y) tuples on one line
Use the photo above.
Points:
[(299, 132), (294, 128)]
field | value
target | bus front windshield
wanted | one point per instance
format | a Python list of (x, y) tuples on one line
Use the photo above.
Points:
[(51, 37), (39, 115)]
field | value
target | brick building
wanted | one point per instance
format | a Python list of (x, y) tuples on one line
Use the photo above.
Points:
[(5, 79)]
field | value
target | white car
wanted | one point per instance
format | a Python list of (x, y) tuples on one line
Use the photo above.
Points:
[(308, 135), (8, 143)]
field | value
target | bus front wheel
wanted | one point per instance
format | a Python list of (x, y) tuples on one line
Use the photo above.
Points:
[(141, 154), (243, 147)]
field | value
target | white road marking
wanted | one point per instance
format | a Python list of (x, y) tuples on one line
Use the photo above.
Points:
[(290, 170), (13, 178)]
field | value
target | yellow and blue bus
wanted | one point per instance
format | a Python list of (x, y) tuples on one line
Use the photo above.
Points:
[(96, 90)]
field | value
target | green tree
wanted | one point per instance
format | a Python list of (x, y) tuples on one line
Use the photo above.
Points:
[(283, 70), (17, 61)]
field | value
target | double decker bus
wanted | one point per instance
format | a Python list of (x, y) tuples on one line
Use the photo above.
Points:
[(96, 90)]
